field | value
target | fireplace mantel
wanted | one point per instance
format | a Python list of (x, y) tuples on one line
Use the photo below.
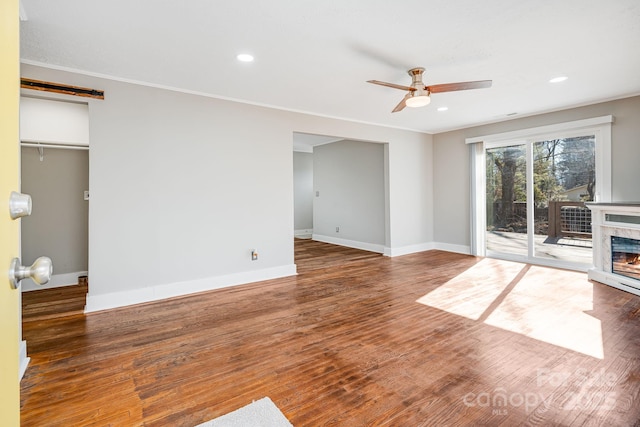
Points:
[(613, 205), (613, 219)]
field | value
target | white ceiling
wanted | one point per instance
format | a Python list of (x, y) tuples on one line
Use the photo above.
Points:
[(315, 56)]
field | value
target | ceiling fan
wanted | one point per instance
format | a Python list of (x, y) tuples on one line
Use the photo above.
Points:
[(418, 93)]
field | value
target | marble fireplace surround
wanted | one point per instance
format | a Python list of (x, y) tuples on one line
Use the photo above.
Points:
[(602, 231)]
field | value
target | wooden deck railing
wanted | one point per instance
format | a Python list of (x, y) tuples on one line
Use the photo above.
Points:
[(569, 219)]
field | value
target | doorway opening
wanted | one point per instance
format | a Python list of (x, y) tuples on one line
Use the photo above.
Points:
[(54, 136), (58, 181), (341, 192)]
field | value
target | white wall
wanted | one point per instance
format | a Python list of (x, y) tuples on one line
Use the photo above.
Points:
[(303, 192), (411, 197), (182, 189), (452, 162), (349, 178)]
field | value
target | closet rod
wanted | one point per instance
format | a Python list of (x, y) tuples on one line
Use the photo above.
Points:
[(68, 147)]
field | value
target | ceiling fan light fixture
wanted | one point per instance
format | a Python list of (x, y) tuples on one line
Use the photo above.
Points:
[(418, 101), (418, 94)]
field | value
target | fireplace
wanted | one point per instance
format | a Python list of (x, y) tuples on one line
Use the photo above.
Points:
[(616, 245), (625, 257)]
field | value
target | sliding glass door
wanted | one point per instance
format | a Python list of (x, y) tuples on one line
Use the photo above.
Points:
[(534, 194)]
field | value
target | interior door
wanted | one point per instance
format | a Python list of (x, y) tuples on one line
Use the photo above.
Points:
[(9, 229)]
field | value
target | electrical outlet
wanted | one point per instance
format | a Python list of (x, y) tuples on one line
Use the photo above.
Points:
[(337, 229), (254, 255), (317, 194), (85, 195)]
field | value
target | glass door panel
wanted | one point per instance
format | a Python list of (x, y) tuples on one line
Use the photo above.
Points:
[(563, 179), (506, 199)]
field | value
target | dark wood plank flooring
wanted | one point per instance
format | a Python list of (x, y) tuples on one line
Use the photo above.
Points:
[(47, 304), (312, 255), (428, 339)]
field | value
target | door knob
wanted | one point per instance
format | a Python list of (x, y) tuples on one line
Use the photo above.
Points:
[(19, 205), (40, 271)]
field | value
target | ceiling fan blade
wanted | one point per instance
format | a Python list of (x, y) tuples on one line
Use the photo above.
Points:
[(402, 103), (450, 87), (393, 85)]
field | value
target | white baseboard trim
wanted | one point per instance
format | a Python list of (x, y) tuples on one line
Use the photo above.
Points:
[(421, 247), (24, 360), (169, 290), (57, 281), (406, 250), (371, 247), (460, 249), (303, 233)]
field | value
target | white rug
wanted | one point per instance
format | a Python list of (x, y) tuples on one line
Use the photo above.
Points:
[(261, 413)]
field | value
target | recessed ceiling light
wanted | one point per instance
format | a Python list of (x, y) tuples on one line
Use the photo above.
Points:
[(558, 79), (245, 57), (443, 108)]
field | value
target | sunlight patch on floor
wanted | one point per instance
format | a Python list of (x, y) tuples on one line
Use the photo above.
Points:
[(470, 293), (518, 298), (556, 316)]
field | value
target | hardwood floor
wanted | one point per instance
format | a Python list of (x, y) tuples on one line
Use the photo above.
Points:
[(428, 339), (312, 255), (47, 304)]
